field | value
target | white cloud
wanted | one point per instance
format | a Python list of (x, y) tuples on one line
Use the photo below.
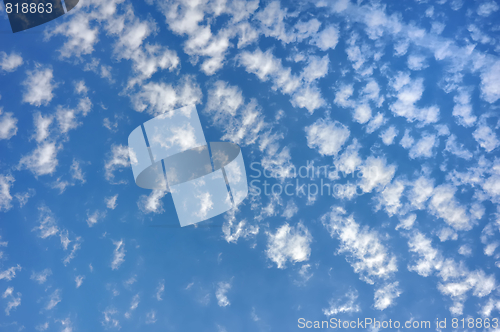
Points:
[(94, 218), (342, 305), (109, 321), (384, 296), (408, 92), (47, 224), (152, 202), (327, 38), (41, 277), (133, 305), (463, 108), (79, 281), (10, 273), (159, 98), (486, 138), (326, 136), (72, 254), (80, 37), (424, 146), (291, 209), (388, 135), (416, 62), (362, 113), (42, 125), (6, 182), (457, 149), (54, 299), (38, 86), (160, 290), (42, 327), (407, 223), (363, 247), (151, 317), (118, 254), (43, 160), (390, 197), (465, 250), (487, 8), (349, 161), (119, 158), (221, 294), (11, 62), (111, 202), (316, 68), (422, 189), (14, 302), (8, 125), (407, 141), (376, 122), (376, 174), (444, 205), (289, 244), (490, 82)]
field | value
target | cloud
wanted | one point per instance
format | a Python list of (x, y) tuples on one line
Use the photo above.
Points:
[(6, 182), (43, 160), (390, 197), (109, 321), (133, 305), (119, 159), (54, 299), (72, 254), (289, 244), (42, 276), (423, 147), (9, 63), (221, 294), (416, 62), (80, 37), (38, 86), (326, 136), (10, 273), (342, 305), (388, 135), (160, 290), (457, 149), (291, 209), (14, 301), (8, 125), (152, 202), (326, 38), (111, 202), (159, 98), (118, 254), (79, 281), (47, 225), (42, 125), (376, 174), (408, 92), (490, 82), (151, 317), (486, 138), (363, 247), (487, 8), (94, 218), (444, 205), (384, 296), (376, 122), (463, 108)]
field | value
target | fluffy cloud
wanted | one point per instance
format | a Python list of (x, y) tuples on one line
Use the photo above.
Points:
[(363, 247), (486, 138), (326, 38), (38, 86), (119, 158), (424, 146), (289, 244), (444, 205), (152, 202), (221, 294), (159, 98), (11, 62), (118, 254), (384, 296), (376, 174), (326, 136), (42, 276), (8, 125), (388, 135), (6, 182), (345, 304), (43, 160)]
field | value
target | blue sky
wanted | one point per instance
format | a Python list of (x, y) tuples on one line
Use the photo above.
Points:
[(400, 100)]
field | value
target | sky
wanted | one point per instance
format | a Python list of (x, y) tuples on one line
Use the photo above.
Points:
[(370, 133)]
